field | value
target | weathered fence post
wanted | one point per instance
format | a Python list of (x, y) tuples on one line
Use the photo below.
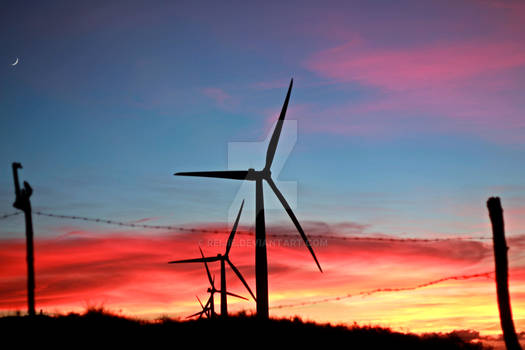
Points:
[(23, 203), (502, 281)]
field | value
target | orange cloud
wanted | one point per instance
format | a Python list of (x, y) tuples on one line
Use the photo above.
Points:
[(128, 271)]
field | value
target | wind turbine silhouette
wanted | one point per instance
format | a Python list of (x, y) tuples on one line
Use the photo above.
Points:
[(261, 261), (205, 310), (223, 258), (209, 308), (212, 290)]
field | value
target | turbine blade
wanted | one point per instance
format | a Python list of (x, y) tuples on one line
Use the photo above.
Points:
[(195, 314), (211, 259), (207, 306), (210, 306), (200, 302), (272, 146), (237, 296), (228, 174), (234, 229), (207, 269), (238, 273), (294, 219)]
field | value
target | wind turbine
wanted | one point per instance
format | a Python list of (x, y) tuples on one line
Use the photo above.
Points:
[(223, 258), (205, 309), (261, 261), (209, 308), (212, 290)]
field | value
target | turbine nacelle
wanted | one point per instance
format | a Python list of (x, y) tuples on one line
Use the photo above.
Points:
[(254, 175)]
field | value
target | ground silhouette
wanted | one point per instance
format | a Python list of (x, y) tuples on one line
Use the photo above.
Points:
[(101, 329)]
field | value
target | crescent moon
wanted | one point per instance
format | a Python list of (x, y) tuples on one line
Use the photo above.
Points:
[(16, 62)]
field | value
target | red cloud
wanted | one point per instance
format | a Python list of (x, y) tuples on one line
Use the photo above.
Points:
[(130, 270)]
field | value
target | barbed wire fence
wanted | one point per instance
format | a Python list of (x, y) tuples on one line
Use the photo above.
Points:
[(5, 216), (487, 274), (241, 232)]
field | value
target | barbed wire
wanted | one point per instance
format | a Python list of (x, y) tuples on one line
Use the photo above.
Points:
[(240, 232), (390, 239), (487, 274), (337, 237), (5, 216), (122, 223)]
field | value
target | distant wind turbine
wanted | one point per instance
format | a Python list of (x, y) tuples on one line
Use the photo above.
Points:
[(223, 260), (212, 290), (205, 309), (261, 262)]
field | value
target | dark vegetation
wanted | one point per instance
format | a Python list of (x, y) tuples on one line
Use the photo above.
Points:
[(100, 329)]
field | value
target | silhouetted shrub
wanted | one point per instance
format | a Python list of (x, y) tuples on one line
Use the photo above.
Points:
[(100, 328)]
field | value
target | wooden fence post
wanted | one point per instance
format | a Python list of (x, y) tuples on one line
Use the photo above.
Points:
[(502, 281), (23, 203)]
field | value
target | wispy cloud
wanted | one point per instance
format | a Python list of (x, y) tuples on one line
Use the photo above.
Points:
[(126, 268), (402, 69), (461, 84), (218, 95)]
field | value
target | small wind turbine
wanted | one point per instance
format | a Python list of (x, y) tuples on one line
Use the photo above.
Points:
[(205, 310), (209, 308), (261, 262), (223, 259), (212, 290)]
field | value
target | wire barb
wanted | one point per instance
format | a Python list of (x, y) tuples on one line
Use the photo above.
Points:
[(5, 216)]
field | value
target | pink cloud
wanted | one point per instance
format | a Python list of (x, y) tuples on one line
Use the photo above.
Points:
[(404, 69), (145, 220), (467, 87), (220, 96)]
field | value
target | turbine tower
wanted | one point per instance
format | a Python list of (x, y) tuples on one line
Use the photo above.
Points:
[(261, 261), (223, 258)]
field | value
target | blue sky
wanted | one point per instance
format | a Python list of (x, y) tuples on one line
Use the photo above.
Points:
[(109, 100)]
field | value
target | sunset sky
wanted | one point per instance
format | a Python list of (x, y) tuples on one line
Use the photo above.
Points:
[(404, 118)]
